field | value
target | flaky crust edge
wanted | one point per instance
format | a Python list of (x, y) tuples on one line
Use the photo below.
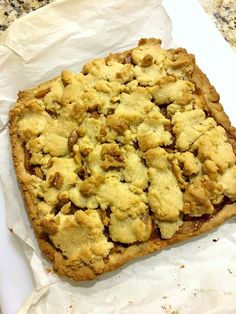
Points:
[(120, 258)]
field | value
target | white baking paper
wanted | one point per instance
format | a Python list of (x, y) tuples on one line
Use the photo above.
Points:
[(198, 276)]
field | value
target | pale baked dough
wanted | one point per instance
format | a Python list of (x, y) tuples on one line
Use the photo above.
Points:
[(131, 155)]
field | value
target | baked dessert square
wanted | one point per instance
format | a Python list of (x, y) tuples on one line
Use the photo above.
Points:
[(130, 155)]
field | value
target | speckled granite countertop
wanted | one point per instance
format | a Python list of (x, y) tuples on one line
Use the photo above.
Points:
[(222, 12), (10, 10)]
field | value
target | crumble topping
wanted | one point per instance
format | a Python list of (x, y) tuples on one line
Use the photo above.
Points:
[(121, 150), (80, 237)]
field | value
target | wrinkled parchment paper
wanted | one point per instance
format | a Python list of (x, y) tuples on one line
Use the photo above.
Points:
[(198, 276)]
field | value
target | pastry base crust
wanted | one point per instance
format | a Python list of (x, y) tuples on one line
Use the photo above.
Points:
[(120, 254)]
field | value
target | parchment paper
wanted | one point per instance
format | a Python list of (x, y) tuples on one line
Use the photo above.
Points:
[(198, 276)]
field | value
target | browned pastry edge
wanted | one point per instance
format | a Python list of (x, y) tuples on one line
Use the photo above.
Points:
[(120, 255)]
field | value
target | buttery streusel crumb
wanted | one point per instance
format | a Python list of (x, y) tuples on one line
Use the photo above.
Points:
[(130, 155)]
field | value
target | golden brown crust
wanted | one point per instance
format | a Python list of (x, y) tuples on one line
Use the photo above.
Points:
[(113, 157), (189, 230), (212, 102)]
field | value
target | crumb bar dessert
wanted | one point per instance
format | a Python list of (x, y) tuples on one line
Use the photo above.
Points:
[(129, 156)]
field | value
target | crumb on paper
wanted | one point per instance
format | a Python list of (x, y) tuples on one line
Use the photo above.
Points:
[(168, 309), (227, 292), (70, 306), (164, 297), (205, 291), (11, 230), (130, 302), (49, 270), (215, 240), (229, 271), (182, 266)]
